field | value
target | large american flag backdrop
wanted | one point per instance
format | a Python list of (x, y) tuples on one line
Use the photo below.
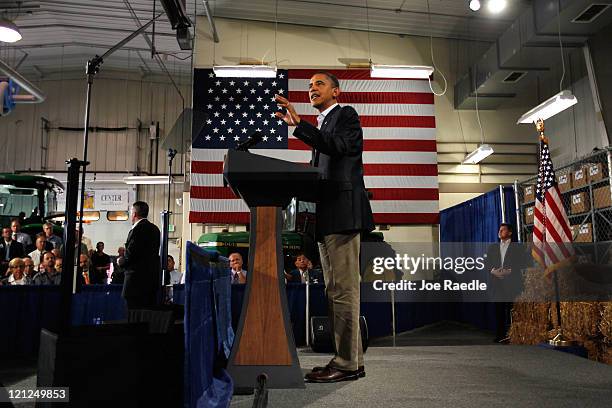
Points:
[(397, 116)]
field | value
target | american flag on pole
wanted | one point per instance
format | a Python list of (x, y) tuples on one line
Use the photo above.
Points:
[(397, 117), (552, 235)]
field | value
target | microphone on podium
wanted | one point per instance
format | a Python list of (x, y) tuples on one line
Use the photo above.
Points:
[(249, 142)]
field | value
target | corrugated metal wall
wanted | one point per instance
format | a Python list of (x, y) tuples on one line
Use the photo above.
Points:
[(573, 133), (119, 100), (116, 103)]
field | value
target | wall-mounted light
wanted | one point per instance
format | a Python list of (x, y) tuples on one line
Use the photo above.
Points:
[(9, 32)]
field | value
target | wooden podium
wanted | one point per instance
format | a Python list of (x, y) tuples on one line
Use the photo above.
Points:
[(264, 342)]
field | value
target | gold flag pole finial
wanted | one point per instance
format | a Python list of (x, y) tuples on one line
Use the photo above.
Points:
[(540, 128)]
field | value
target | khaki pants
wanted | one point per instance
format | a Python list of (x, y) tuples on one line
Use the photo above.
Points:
[(340, 262)]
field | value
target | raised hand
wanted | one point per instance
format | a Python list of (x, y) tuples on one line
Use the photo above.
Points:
[(290, 117)]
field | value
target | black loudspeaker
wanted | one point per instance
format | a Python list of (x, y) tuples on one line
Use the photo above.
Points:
[(113, 365), (321, 335)]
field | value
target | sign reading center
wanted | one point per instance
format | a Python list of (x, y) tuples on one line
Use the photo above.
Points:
[(112, 200)]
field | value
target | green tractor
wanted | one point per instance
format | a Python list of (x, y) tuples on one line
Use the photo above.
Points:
[(228, 242), (293, 243), (32, 199)]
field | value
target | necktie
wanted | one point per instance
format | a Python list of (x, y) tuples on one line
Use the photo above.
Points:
[(236, 278), (7, 245)]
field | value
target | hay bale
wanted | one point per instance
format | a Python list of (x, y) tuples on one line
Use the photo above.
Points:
[(605, 353), (530, 323), (592, 347), (605, 322), (579, 319), (536, 287)]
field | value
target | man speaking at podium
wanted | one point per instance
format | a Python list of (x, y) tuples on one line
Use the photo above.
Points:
[(343, 212)]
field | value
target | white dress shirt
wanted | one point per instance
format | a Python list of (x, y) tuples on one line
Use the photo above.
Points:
[(503, 248), (175, 277), (136, 223), (323, 114), (13, 281), (36, 256), (235, 278)]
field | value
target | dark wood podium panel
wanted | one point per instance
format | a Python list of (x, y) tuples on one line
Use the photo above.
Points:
[(266, 343)]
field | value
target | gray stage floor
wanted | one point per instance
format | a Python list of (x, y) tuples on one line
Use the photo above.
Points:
[(470, 371), (443, 365)]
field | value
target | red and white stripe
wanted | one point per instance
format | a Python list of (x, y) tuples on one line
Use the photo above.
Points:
[(552, 235), (400, 159), (551, 232)]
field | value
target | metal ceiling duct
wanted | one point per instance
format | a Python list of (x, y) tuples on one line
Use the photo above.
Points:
[(529, 46)]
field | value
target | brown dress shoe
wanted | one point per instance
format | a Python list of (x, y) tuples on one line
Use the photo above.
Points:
[(360, 370), (331, 375)]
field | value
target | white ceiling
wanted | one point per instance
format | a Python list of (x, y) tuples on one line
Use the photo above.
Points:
[(61, 35)]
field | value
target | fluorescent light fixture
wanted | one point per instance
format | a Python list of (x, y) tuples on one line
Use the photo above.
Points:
[(549, 107), (9, 32), (478, 155), (401, 71), (245, 71), (474, 5), (146, 180), (496, 6)]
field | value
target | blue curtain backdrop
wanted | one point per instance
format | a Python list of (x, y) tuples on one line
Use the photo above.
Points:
[(208, 331), (475, 224)]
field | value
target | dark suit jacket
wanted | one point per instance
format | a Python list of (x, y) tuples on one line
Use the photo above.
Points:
[(313, 274), (517, 259), (343, 205), (16, 250), (142, 264)]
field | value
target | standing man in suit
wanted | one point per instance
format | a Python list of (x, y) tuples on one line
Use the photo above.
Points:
[(141, 263), (343, 213), (505, 262), (9, 249)]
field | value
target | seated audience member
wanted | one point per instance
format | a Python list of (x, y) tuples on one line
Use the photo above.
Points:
[(29, 269), (9, 249), (37, 254), (118, 272), (238, 274), (48, 275), (304, 271), (100, 263), (17, 276), (51, 237), (58, 265), (175, 275), (56, 252), (87, 272), (21, 237)]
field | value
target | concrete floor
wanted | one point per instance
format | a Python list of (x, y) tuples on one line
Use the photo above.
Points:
[(443, 365), (479, 374)]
